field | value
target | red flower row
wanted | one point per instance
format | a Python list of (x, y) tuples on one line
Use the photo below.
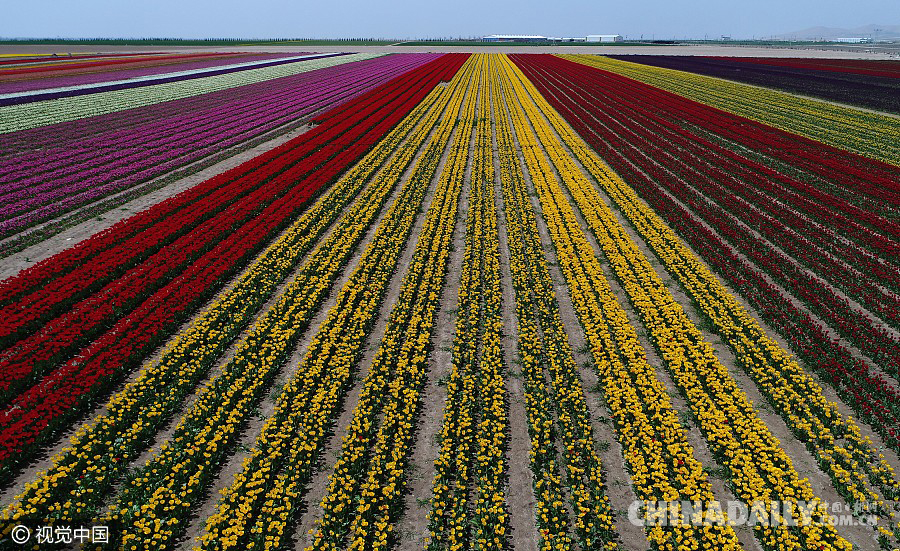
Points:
[(284, 180), (64, 324)]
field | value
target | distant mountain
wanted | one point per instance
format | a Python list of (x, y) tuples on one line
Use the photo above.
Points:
[(875, 32)]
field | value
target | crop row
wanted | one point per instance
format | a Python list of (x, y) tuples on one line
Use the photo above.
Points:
[(58, 153), (657, 454), (715, 184), (24, 152), (58, 312), (186, 210), (758, 468), (845, 175), (69, 386), (168, 487), (857, 470), (564, 457), (878, 68), (33, 96), (869, 134), (120, 161), (104, 448), (28, 59), (50, 287), (80, 77), (258, 507), (868, 393), (363, 498), (468, 504), (881, 93), (56, 64)]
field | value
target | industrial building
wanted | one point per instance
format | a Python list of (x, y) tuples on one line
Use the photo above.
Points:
[(854, 40), (540, 38), (514, 38), (604, 38)]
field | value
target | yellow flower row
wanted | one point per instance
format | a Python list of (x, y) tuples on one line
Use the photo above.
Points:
[(870, 134), (100, 451), (468, 506), (657, 453), (760, 469), (256, 508), (363, 495), (858, 471), (203, 435), (558, 419)]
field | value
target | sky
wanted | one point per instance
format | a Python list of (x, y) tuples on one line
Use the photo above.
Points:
[(660, 19)]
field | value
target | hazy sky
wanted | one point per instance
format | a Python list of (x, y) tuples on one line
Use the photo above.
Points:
[(409, 18)]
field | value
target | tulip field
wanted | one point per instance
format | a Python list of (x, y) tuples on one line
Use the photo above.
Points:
[(449, 301)]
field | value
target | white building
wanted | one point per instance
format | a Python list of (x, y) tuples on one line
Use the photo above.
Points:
[(603, 38), (514, 38), (854, 40)]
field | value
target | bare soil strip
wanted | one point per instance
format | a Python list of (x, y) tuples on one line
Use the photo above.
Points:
[(520, 483), (412, 527)]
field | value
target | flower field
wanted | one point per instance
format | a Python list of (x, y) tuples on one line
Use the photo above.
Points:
[(367, 301)]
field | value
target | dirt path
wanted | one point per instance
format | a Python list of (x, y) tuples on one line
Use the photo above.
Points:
[(16, 262), (412, 527), (520, 490)]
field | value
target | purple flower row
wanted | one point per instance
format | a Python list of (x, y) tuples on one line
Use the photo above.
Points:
[(142, 155), (25, 171), (39, 143)]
